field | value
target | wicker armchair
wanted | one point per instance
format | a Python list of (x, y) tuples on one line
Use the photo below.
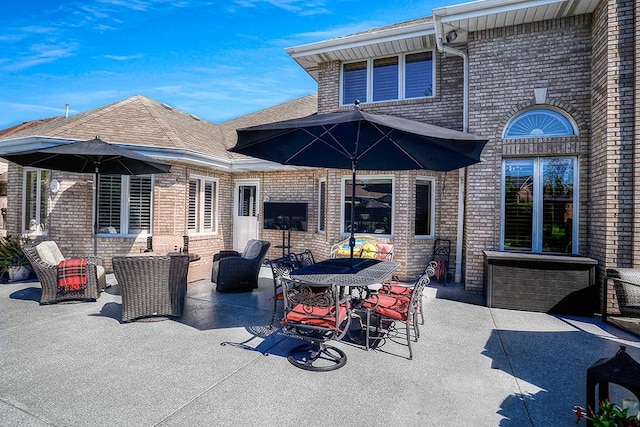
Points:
[(626, 282), (45, 257), (240, 273), (151, 285)]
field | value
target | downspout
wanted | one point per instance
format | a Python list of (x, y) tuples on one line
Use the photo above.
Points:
[(465, 127)]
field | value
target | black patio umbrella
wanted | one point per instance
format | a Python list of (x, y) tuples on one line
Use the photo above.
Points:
[(355, 140), (92, 156), (372, 204)]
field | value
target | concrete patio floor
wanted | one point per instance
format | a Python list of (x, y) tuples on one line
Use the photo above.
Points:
[(78, 365)]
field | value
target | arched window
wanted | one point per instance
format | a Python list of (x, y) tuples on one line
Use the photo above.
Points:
[(540, 123)]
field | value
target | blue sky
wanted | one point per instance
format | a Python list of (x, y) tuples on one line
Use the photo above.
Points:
[(215, 59)]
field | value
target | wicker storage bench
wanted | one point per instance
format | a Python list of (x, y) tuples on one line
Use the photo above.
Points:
[(545, 283)]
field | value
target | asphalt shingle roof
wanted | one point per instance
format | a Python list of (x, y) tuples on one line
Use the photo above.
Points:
[(140, 120)]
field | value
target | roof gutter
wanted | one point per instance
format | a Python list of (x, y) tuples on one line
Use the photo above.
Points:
[(465, 127)]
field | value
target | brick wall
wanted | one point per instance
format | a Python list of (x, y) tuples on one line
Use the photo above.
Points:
[(506, 65), (615, 112), (71, 214)]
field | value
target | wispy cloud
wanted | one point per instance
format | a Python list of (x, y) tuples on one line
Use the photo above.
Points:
[(327, 34), (27, 46), (298, 7), (40, 53), (123, 57), (24, 107)]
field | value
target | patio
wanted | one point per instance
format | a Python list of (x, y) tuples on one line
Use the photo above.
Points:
[(78, 365)]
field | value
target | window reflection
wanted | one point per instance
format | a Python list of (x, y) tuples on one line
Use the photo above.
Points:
[(373, 214)]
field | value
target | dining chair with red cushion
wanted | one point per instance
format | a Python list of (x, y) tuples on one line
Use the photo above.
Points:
[(316, 313), (397, 308), (393, 287), (281, 270)]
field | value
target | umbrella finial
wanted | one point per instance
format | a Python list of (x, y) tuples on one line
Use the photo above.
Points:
[(357, 103), (97, 137)]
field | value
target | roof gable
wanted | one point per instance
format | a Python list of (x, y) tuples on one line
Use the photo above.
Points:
[(138, 121), (157, 129)]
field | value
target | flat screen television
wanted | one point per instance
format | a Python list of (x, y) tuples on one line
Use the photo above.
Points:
[(285, 216)]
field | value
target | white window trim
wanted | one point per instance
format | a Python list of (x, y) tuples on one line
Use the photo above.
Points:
[(40, 192), (344, 180), (433, 208), (318, 223), (401, 78), (536, 238), (124, 206), (204, 179)]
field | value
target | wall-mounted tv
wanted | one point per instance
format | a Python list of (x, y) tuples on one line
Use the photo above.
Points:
[(285, 216)]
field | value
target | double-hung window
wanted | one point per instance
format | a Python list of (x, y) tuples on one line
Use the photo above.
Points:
[(124, 204), (203, 205), (540, 201), (373, 205), (389, 78), (36, 200)]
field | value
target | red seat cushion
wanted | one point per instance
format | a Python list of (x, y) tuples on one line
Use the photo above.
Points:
[(316, 316), (388, 306), (395, 289)]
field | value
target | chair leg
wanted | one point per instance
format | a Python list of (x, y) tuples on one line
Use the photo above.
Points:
[(408, 328), (275, 308), (366, 340)]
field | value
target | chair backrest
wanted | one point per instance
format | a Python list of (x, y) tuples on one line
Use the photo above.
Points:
[(416, 293), (48, 252), (151, 285), (626, 282), (431, 268), (303, 259), (379, 250), (256, 249), (281, 269), (441, 250), (316, 307)]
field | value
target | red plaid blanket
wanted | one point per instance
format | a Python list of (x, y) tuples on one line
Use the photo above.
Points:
[(72, 274)]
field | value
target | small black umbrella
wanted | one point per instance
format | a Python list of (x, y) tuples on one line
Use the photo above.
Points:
[(91, 156), (355, 140)]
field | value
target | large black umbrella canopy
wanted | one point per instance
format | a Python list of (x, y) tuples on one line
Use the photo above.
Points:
[(92, 156), (355, 140)]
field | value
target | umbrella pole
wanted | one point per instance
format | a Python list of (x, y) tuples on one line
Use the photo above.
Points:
[(352, 239), (95, 213)]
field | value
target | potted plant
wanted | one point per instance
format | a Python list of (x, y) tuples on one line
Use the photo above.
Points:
[(13, 261), (609, 415)]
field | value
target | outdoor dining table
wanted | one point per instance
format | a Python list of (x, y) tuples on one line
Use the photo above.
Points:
[(360, 274), (346, 272)]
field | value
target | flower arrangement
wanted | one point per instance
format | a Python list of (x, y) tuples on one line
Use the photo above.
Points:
[(609, 415)]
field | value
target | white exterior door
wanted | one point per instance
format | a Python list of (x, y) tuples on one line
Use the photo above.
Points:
[(245, 217)]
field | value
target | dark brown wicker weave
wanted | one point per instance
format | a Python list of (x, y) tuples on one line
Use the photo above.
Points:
[(151, 285), (626, 282), (48, 277)]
